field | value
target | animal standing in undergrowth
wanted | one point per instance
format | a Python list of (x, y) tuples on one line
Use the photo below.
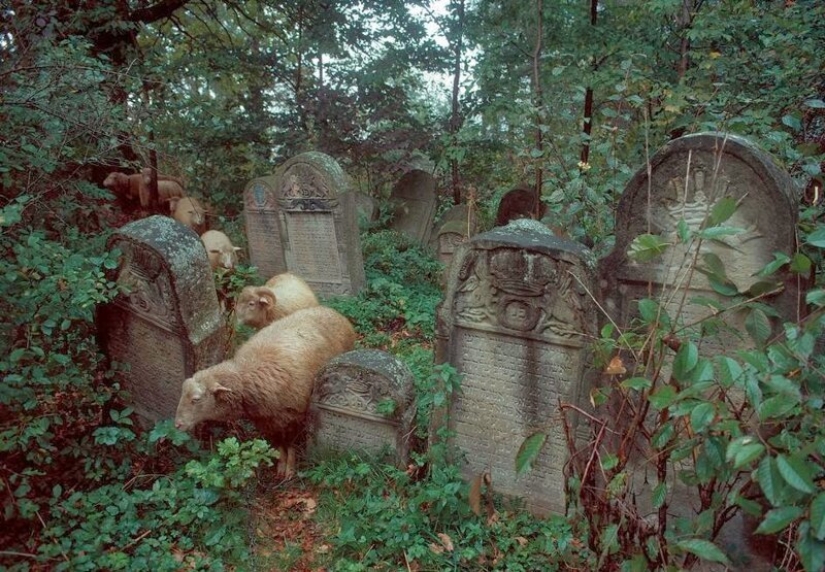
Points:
[(190, 212), (259, 306), (270, 379), (136, 187), (222, 253)]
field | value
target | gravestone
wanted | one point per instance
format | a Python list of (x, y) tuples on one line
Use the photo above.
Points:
[(414, 198), (688, 179), (346, 402), (303, 220), (519, 203), (168, 325), (516, 321), (366, 207), (454, 226)]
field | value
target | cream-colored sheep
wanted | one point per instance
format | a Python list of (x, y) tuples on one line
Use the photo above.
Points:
[(222, 253), (190, 212), (270, 379), (259, 306)]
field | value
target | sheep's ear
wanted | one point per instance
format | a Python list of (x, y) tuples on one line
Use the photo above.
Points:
[(219, 389), (237, 248), (263, 301)]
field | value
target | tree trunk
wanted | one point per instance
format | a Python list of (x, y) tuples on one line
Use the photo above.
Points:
[(538, 96), (455, 118), (587, 123)]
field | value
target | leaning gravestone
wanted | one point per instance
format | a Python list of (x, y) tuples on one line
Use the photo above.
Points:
[(414, 198), (168, 324), (516, 321), (303, 220), (688, 179), (347, 400)]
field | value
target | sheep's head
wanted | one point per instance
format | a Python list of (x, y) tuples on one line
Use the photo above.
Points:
[(253, 305), (227, 257), (116, 180), (206, 396)]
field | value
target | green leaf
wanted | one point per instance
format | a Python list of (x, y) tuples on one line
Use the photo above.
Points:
[(758, 326), (683, 231), (729, 371), (636, 383), (818, 516), (743, 451), (816, 297), (777, 407), (715, 232), (801, 264), (793, 121), (649, 310), (704, 549), (659, 495), (796, 472), (663, 397), (702, 416), (722, 211), (770, 481), (778, 519), (815, 103), (811, 551), (780, 259), (646, 247), (529, 451), (686, 359), (817, 238)]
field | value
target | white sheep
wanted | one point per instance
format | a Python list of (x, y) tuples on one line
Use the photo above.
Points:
[(270, 379), (190, 212), (222, 253), (259, 306)]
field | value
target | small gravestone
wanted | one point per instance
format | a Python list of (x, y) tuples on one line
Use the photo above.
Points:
[(458, 223), (349, 394), (414, 198), (519, 203), (515, 322), (168, 324), (688, 179), (303, 220)]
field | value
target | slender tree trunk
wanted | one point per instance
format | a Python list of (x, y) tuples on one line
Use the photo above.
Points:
[(538, 96), (587, 125), (684, 22), (455, 118)]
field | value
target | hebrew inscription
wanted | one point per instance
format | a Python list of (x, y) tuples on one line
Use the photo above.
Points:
[(312, 249)]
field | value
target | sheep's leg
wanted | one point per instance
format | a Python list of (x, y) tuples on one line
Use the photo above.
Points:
[(281, 469), (290, 463)]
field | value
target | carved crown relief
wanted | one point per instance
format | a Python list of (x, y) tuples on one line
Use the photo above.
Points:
[(522, 291), (304, 187)]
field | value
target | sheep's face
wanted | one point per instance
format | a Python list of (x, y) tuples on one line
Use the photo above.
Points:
[(252, 305), (226, 258), (203, 398), (114, 180)]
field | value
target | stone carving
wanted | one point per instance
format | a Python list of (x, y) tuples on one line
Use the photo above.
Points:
[(515, 321), (167, 325), (346, 404), (454, 227), (414, 197), (688, 178), (303, 220)]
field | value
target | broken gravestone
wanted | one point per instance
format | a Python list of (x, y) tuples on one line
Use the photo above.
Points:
[(516, 322), (363, 400), (693, 181), (414, 198), (167, 324), (303, 220)]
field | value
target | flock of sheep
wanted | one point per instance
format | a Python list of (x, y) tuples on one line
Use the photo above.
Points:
[(270, 379)]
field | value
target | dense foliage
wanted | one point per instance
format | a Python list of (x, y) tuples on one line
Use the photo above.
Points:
[(575, 95)]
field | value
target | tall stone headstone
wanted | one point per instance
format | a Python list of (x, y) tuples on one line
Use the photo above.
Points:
[(414, 198), (688, 179), (453, 227), (347, 400), (516, 321), (303, 220), (168, 325)]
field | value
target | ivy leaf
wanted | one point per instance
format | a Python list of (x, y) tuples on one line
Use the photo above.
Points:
[(704, 549), (529, 451), (778, 519)]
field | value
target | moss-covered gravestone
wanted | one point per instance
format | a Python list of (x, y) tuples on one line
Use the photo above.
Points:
[(168, 324), (414, 198), (515, 322), (303, 220), (363, 401)]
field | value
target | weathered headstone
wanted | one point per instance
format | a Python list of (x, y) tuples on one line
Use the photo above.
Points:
[(454, 226), (168, 325), (516, 321), (347, 400), (414, 198), (519, 203), (366, 207), (688, 179), (303, 220)]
